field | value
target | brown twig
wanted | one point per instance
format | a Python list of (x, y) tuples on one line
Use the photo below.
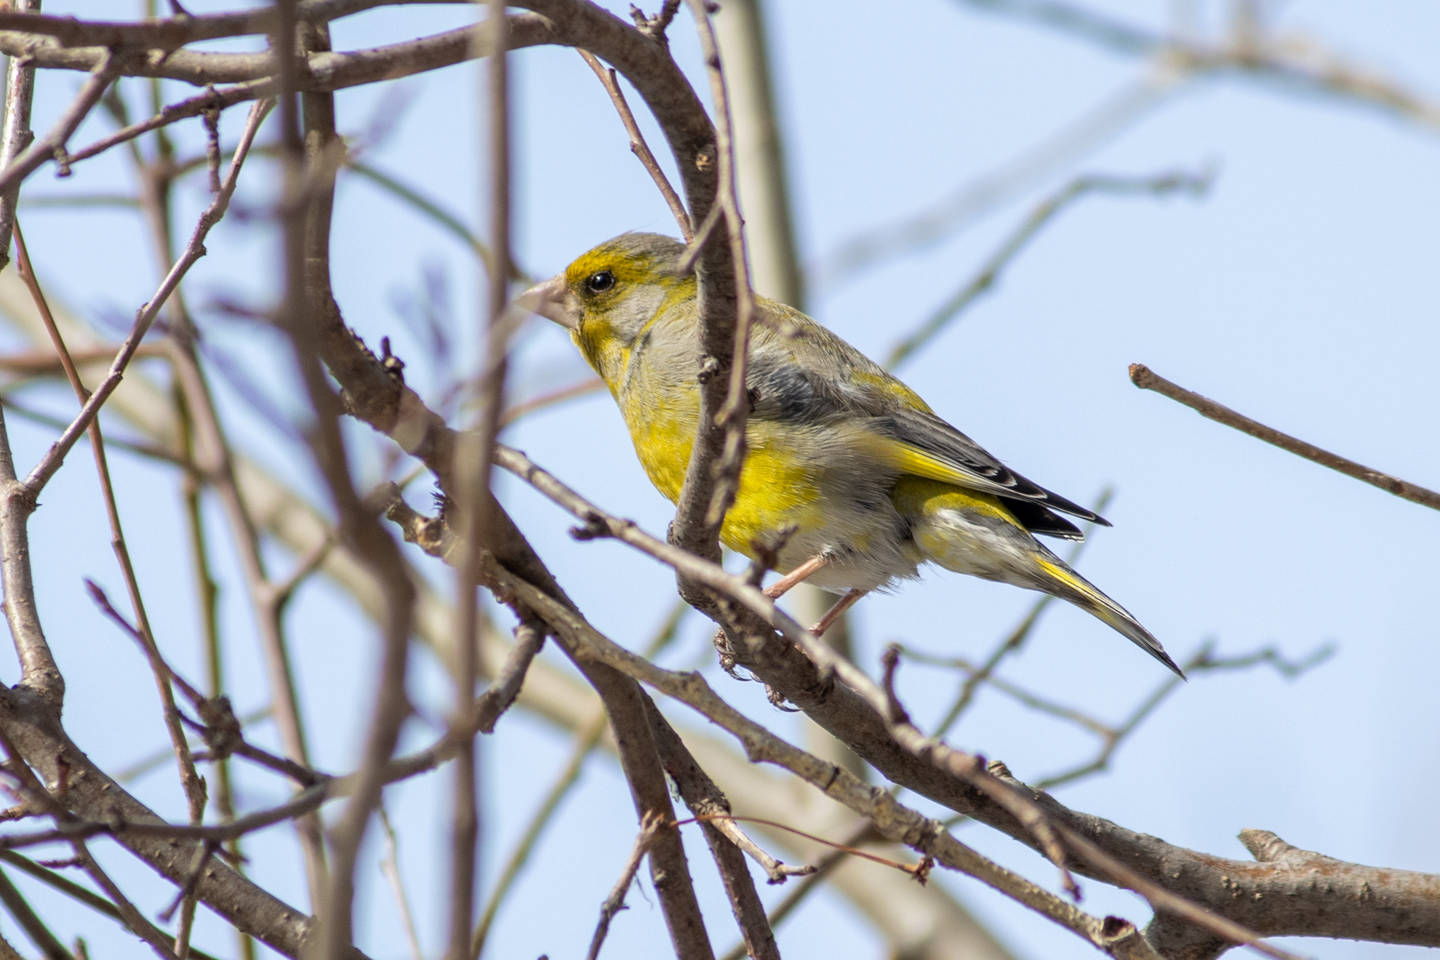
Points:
[(600, 523), (52, 145), (193, 785), (730, 416), (587, 737), (650, 829), (194, 250), (1146, 379), (638, 146)]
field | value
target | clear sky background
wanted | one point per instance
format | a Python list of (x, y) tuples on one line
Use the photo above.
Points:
[(1300, 289)]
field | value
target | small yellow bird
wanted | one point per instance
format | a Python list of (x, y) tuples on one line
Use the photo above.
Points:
[(846, 466)]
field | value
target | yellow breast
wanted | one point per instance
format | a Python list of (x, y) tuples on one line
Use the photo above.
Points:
[(777, 489)]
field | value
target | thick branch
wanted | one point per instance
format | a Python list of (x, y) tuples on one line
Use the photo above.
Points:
[(83, 789)]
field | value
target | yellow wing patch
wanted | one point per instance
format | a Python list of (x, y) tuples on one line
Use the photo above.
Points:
[(910, 459), (921, 497)]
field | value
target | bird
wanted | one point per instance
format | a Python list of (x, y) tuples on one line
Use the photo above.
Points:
[(847, 470)]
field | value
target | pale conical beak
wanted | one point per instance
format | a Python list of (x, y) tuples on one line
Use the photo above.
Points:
[(553, 301)]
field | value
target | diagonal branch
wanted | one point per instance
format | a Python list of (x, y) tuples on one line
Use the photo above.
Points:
[(1146, 379)]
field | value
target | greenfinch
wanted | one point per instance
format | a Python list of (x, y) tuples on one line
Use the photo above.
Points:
[(853, 475)]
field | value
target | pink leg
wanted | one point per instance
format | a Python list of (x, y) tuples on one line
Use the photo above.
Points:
[(782, 586), (833, 614)]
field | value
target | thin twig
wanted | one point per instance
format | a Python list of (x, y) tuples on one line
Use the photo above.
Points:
[(472, 497), (194, 250), (550, 398), (650, 829), (587, 737), (390, 867), (193, 785), (599, 523), (52, 145), (985, 278), (1146, 379), (638, 146), (1012, 641)]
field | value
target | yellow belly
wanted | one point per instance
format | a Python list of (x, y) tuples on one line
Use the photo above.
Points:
[(777, 488)]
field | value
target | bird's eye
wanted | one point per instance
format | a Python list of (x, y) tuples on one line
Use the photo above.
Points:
[(600, 282)]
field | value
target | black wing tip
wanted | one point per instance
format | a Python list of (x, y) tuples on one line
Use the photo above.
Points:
[(1056, 502)]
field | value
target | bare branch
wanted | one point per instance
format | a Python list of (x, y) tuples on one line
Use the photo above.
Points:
[(194, 250), (1299, 67), (638, 146), (650, 829), (985, 278), (1146, 379), (52, 145)]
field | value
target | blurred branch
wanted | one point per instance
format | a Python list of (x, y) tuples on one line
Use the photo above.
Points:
[(470, 498), (77, 893), (1302, 65), (1146, 379), (952, 213), (1092, 25), (390, 866), (1013, 641), (550, 398), (1285, 666), (984, 280)]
